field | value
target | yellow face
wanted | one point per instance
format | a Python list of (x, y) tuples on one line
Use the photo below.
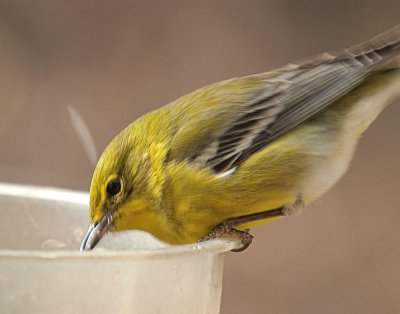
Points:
[(116, 178), (126, 189), (126, 210), (105, 197)]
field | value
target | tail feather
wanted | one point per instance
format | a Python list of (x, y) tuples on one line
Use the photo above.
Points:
[(379, 50)]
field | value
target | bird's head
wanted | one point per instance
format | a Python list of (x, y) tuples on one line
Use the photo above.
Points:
[(125, 189)]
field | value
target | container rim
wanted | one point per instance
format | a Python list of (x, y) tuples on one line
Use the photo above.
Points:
[(82, 198)]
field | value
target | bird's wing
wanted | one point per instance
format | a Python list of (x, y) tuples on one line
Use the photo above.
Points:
[(228, 122)]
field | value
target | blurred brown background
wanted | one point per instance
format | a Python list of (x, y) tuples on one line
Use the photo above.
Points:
[(115, 60)]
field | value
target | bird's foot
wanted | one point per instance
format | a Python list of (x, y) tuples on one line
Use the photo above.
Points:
[(224, 229), (227, 227)]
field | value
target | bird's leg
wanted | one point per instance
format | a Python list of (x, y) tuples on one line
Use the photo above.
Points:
[(228, 227), (224, 229)]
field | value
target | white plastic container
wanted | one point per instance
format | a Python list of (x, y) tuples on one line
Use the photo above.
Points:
[(42, 271)]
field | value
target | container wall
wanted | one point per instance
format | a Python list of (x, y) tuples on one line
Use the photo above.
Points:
[(41, 270)]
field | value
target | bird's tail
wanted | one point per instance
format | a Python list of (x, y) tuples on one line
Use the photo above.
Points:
[(382, 87), (382, 50)]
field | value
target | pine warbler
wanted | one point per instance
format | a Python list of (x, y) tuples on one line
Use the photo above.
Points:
[(244, 151)]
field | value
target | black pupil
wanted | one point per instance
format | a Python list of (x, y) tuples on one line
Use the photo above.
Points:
[(113, 187)]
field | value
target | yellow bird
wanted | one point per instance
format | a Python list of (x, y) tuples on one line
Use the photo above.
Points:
[(244, 151)]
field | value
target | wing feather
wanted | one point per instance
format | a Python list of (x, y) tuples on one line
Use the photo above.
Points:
[(308, 93), (245, 120)]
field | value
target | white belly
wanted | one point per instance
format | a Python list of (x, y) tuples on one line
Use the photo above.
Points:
[(327, 171), (332, 165)]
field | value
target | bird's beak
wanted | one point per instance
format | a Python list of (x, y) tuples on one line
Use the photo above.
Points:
[(96, 232)]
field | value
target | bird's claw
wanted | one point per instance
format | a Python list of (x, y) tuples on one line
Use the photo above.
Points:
[(226, 230)]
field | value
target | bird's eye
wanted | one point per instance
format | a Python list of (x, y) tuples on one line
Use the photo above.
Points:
[(113, 187)]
